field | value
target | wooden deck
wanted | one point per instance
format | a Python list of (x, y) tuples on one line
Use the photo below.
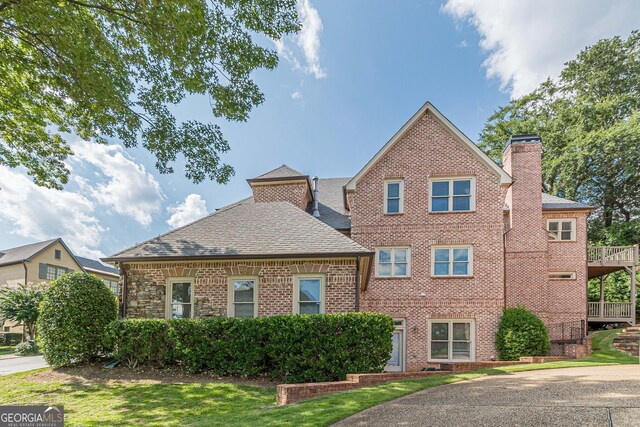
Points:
[(601, 261)]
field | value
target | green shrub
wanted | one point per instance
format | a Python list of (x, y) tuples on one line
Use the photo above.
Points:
[(521, 333), (10, 338), (73, 316), (27, 348), (292, 348)]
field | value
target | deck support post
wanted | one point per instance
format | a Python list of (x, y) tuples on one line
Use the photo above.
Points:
[(601, 311), (633, 294)]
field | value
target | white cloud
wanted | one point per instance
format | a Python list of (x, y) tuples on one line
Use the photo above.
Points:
[(530, 40), (42, 213), (463, 44), (307, 42), (297, 95), (121, 184), (194, 207)]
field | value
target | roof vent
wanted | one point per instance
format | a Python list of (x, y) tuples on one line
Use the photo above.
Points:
[(316, 212)]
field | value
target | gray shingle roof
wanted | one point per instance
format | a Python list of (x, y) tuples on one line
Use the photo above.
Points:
[(283, 171), (248, 230), (554, 202), (95, 265), (23, 253)]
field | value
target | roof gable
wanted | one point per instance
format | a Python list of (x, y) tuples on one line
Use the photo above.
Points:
[(505, 179), (283, 171), (27, 252)]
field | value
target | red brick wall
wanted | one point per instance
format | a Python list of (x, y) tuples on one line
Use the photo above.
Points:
[(147, 282), (429, 150), (296, 193)]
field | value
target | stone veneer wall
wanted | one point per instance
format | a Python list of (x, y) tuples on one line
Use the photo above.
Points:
[(147, 284)]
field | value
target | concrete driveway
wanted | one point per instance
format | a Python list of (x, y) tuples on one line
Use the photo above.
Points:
[(594, 396), (21, 364)]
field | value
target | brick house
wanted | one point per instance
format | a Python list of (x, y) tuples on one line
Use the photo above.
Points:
[(430, 231)]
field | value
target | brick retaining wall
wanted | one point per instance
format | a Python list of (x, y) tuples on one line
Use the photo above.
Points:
[(291, 393)]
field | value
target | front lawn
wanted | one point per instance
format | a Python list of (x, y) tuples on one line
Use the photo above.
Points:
[(119, 403)]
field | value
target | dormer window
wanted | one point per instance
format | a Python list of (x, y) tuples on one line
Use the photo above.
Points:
[(452, 195), (393, 196)]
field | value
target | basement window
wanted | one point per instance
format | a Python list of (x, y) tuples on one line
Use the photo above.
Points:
[(562, 275)]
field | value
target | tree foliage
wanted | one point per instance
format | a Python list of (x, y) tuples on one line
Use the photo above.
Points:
[(105, 69), (21, 305), (589, 121)]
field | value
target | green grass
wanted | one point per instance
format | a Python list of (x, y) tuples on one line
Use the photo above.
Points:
[(7, 349), (217, 404)]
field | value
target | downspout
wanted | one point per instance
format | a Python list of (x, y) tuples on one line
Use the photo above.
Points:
[(357, 283), (123, 273), (504, 269), (24, 264)]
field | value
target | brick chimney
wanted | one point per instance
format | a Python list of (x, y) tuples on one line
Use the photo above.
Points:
[(526, 263), (282, 184)]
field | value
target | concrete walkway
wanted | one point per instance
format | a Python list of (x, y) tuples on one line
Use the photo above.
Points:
[(21, 364), (593, 396)]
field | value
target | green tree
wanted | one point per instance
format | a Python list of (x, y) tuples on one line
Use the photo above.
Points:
[(21, 305), (589, 121), (116, 69)]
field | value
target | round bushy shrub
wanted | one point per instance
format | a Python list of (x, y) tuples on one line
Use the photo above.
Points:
[(27, 348), (521, 333), (74, 315)]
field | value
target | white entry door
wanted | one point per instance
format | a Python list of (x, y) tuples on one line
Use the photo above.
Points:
[(396, 362)]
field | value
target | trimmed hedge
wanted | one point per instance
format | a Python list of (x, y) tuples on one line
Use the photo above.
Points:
[(521, 333), (293, 348), (74, 315), (10, 338)]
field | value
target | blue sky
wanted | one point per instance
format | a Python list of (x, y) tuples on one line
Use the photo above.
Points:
[(344, 86)]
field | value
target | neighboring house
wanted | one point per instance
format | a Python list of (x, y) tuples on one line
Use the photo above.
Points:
[(431, 231), (43, 262), (109, 275)]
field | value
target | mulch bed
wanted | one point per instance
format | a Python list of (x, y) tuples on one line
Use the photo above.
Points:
[(96, 374)]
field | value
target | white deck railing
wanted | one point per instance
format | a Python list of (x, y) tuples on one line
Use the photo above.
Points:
[(611, 310), (613, 255)]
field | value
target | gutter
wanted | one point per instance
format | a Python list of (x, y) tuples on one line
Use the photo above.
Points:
[(214, 257), (24, 264), (358, 283), (123, 273)]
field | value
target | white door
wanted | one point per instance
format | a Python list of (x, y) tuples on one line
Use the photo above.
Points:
[(396, 361)]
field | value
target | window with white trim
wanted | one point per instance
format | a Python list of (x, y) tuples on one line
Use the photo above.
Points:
[(308, 294), (51, 272), (451, 340), (114, 285), (393, 262), (393, 196), (243, 297), (452, 195), (180, 298), (561, 229), (452, 261), (568, 275)]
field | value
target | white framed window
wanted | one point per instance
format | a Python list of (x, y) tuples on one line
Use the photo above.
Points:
[(452, 194), (451, 340), (561, 229), (562, 275), (114, 285), (393, 262), (243, 296), (51, 272), (308, 294), (179, 298), (393, 196), (452, 261)]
